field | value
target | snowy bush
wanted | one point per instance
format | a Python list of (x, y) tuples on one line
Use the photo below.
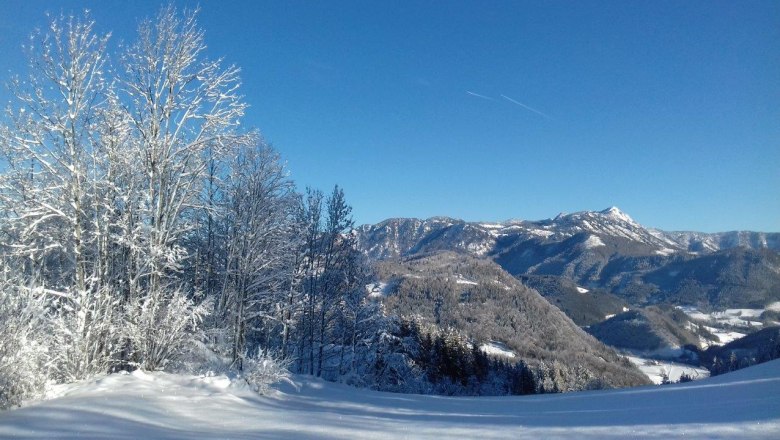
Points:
[(265, 370), (201, 359), (22, 356), (86, 331), (162, 326)]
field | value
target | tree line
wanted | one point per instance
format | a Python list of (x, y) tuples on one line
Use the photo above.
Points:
[(139, 221)]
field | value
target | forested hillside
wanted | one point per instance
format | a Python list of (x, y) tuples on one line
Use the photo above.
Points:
[(490, 308)]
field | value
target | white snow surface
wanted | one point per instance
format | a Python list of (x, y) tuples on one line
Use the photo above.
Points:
[(460, 280), (655, 370), (593, 242), (724, 336), (497, 349), (377, 290), (615, 213), (665, 251), (541, 232), (730, 317), (743, 404)]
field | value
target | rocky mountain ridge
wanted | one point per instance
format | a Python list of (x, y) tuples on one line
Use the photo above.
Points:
[(602, 250), (402, 236)]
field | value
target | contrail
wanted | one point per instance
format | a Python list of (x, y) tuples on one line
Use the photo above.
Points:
[(525, 107), (480, 96)]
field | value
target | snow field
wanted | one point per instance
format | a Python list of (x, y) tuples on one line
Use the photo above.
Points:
[(656, 370), (377, 290), (743, 404), (733, 317), (721, 323), (593, 242), (460, 280), (497, 349), (724, 336)]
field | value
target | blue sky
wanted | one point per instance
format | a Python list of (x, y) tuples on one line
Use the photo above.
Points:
[(669, 110)]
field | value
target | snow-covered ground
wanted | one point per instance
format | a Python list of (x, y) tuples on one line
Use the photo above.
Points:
[(723, 323), (724, 336), (494, 348), (593, 242), (746, 318), (743, 404), (460, 280), (656, 370), (377, 290)]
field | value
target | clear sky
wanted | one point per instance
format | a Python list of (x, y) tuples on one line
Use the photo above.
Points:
[(489, 110)]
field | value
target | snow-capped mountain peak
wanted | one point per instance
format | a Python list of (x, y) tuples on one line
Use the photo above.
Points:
[(616, 214), (610, 222)]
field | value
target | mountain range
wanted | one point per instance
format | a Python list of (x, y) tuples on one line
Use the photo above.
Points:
[(603, 253)]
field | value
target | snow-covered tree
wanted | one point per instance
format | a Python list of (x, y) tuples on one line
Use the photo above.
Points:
[(261, 239), (100, 181), (53, 187), (184, 111), (51, 154), (329, 265)]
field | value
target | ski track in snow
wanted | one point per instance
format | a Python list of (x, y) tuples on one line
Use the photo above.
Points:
[(744, 404)]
